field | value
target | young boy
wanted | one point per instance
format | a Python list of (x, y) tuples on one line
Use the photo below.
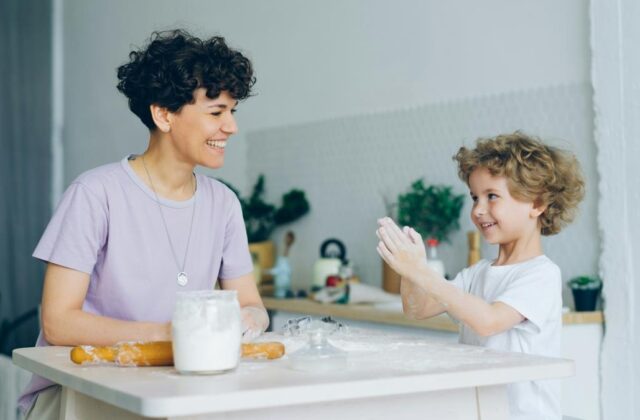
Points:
[(521, 189)]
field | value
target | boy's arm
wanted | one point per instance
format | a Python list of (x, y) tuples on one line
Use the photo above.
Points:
[(484, 318), (404, 252), (416, 303)]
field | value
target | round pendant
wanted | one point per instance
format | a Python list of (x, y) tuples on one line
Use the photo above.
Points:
[(182, 279)]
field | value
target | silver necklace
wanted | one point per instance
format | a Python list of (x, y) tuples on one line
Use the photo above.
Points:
[(182, 277)]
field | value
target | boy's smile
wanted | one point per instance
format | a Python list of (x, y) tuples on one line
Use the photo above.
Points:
[(487, 225)]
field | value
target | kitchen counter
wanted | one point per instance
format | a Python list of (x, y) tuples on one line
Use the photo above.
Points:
[(582, 334), (386, 377), (369, 313)]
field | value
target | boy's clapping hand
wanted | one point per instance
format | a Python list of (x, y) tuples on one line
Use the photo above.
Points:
[(403, 250)]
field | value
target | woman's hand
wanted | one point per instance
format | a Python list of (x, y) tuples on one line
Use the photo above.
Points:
[(255, 319), (402, 249), (254, 322)]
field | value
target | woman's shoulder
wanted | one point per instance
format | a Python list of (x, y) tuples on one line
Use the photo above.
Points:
[(217, 188), (100, 177), (100, 173)]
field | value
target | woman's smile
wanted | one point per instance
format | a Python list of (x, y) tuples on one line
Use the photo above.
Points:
[(217, 145)]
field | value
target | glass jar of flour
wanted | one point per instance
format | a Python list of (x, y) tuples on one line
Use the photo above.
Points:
[(206, 331)]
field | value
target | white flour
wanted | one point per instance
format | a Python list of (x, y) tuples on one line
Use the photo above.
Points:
[(206, 332), (369, 349)]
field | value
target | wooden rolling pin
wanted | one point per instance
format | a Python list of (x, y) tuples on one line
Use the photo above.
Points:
[(159, 353)]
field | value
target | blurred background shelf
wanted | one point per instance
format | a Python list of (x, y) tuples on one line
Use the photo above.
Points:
[(370, 313)]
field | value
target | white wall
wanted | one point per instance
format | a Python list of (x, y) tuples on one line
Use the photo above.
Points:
[(345, 165), (319, 59), (616, 80)]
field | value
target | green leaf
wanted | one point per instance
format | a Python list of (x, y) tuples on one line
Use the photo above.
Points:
[(433, 211), (585, 282), (261, 218), (294, 206)]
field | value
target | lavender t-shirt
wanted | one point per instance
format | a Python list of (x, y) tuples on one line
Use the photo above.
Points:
[(108, 225)]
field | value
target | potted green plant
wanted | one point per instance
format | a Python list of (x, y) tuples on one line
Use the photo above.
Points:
[(585, 290), (433, 211), (261, 219)]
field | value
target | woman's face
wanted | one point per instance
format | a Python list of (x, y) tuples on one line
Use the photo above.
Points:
[(200, 130)]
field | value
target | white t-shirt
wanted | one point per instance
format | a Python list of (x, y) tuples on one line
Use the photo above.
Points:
[(533, 288)]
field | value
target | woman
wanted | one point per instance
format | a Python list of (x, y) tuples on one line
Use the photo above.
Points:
[(127, 236)]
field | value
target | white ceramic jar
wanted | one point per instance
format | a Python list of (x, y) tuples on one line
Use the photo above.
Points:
[(206, 331)]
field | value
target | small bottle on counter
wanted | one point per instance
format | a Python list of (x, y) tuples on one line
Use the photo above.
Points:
[(281, 273), (474, 247), (346, 271), (432, 256)]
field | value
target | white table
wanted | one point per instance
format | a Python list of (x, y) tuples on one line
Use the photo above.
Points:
[(387, 377)]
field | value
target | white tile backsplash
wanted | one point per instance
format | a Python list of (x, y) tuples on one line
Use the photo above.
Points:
[(345, 164)]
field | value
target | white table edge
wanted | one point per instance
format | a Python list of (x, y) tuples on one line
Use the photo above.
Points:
[(273, 397)]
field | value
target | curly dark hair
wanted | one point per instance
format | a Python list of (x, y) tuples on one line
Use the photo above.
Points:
[(174, 64), (534, 171)]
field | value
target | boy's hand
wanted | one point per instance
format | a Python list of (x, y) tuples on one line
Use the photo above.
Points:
[(403, 250)]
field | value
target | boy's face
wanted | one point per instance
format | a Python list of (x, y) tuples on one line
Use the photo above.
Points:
[(501, 218)]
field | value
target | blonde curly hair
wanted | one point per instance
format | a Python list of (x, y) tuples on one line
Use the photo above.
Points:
[(534, 171)]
